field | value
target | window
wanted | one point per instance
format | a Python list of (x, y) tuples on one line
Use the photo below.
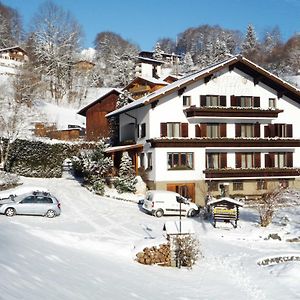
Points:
[(213, 161), (247, 130), (173, 129), (213, 130), (284, 183), (149, 160), (29, 199), (213, 186), (246, 101), (142, 160), (272, 103), (247, 160), (280, 160), (238, 185), (212, 101), (262, 184), (142, 132), (180, 161), (186, 100)]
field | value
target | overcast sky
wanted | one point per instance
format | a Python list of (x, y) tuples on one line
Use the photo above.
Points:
[(145, 21)]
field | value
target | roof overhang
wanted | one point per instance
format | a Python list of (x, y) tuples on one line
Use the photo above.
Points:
[(124, 148)]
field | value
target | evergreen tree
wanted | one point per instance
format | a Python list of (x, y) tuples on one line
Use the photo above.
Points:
[(126, 180), (250, 45), (187, 63), (158, 52)]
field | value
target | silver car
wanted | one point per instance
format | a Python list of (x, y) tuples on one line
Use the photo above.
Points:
[(43, 204)]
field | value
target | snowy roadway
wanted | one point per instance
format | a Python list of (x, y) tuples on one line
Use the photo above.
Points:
[(87, 253)]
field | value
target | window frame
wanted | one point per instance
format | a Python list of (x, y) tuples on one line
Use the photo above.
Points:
[(149, 161), (180, 166), (218, 160), (186, 101), (274, 105), (238, 185)]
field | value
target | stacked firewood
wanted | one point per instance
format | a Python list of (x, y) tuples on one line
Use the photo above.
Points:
[(155, 255)]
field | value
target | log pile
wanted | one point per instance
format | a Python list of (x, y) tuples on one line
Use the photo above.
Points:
[(160, 255)]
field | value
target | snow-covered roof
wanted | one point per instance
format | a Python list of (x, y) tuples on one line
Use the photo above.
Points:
[(291, 91), (148, 79), (11, 48), (98, 96), (123, 148), (227, 199), (151, 60), (174, 227)]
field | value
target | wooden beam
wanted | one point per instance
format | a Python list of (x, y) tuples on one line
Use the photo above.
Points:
[(208, 78), (154, 103), (181, 91)]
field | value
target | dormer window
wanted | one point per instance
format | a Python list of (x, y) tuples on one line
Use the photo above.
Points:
[(186, 101)]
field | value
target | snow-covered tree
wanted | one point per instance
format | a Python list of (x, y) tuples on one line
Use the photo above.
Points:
[(250, 44), (55, 39), (187, 63), (10, 27), (16, 116), (158, 52), (115, 60), (126, 181), (123, 99)]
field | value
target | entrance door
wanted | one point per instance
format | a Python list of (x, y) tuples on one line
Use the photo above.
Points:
[(186, 190)]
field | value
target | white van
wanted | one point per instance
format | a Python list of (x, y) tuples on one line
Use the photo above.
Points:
[(161, 203)]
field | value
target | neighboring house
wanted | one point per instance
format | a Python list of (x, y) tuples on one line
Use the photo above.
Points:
[(14, 53), (231, 124), (141, 86), (83, 65), (147, 65), (97, 125)]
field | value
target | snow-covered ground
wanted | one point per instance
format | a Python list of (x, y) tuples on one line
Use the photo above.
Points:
[(88, 253)]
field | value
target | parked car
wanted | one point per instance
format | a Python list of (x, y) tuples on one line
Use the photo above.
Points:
[(36, 203), (161, 203)]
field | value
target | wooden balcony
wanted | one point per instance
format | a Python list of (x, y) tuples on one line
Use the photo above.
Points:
[(231, 112), (224, 142), (257, 172)]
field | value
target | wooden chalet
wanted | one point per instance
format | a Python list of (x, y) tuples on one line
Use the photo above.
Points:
[(14, 53), (84, 65), (142, 86)]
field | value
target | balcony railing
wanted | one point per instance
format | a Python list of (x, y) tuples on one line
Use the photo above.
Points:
[(255, 172), (231, 112), (224, 142)]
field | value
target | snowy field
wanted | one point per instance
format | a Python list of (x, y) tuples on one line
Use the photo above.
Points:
[(88, 253)]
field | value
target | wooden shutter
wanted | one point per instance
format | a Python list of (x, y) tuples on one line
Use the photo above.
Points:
[(163, 129), (197, 130), (238, 160), (233, 100), (238, 101), (184, 129), (257, 130), (223, 163), (203, 130), (257, 160), (267, 161), (289, 130), (266, 131), (272, 130), (223, 130), (256, 101), (202, 100), (238, 130), (272, 160), (289, 159), (222, 100)]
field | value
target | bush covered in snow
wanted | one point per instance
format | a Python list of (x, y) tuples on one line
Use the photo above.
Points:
[(8, 180), (93, 165)]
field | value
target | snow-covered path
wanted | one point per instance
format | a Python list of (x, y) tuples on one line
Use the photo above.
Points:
[(87, 253)]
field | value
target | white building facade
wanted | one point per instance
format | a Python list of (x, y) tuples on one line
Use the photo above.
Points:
[(233, 124)]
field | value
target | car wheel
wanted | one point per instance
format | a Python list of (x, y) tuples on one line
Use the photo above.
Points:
[(192, 213), (10, 212), (159, 213), (50, 213)]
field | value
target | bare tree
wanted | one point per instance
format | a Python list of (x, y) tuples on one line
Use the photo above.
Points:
[(10, 26), (56, 37)]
